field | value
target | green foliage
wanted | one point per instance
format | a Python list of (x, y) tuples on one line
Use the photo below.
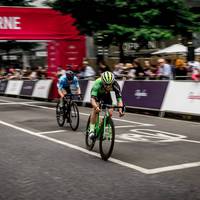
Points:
[(126, 19)]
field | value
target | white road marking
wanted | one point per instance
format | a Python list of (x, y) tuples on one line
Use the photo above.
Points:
[(128, 126), (174, 167), (47, 132), (121, 141), (17, 103), (192, 141), (119, 162), (122, 120)]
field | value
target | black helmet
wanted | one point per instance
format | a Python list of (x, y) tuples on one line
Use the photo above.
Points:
[(69, 75)]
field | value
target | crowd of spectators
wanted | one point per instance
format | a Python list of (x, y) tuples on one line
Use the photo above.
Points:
[(162, 69), (26, 74)]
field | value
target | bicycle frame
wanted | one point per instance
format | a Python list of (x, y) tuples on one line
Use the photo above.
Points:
[(67, 101), (99, 123), (104, 131)]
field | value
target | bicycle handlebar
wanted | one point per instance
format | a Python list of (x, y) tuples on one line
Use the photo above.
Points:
[(112, 106), (70, 96)]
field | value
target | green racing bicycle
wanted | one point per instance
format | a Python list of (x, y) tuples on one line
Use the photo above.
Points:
[(104, 131)]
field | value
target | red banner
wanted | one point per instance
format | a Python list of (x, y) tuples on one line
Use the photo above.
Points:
[(65, 52), (20, 23)]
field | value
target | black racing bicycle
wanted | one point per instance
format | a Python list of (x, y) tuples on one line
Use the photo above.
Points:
[(104, 131), (68, 112)]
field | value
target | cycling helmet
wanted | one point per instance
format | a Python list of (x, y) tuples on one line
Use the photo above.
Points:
[(69, 75), (107, 77)]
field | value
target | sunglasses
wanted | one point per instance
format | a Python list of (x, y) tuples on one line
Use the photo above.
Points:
[(107, 85)]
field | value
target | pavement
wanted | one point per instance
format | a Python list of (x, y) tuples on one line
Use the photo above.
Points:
[(153, 158)]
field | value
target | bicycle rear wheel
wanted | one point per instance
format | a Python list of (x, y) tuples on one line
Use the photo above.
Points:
[(60, 114), (74, 116), (89, 143), (107, 139)]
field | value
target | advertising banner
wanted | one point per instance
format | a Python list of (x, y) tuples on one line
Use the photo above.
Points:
[(35, 23), (182, 97), (144, 94), (65, 52), (14, 87), (27, 88), (87, 93), (3, 85), (42, 89)]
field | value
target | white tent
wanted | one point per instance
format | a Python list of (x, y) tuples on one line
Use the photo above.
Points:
[(173, 49), (197, 51)]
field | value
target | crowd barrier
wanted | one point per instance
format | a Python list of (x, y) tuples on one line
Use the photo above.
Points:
[(28, 88), (163, 96)]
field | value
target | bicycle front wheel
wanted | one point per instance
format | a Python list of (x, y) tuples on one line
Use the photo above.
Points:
[(89, 143), (60, 114), (107, 139), (74, 116)]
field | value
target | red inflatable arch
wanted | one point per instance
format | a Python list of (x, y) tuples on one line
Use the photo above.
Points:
[(65, 46)]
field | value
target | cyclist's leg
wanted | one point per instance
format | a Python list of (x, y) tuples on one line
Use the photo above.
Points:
[(93, 118), (108, 100), (62, 93)]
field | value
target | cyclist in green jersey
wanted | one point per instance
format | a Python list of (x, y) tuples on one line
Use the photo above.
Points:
[(101, 91)]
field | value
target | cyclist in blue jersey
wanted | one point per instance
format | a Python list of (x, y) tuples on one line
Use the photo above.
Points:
[(66, 84)]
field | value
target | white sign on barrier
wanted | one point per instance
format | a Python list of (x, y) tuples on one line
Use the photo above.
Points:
[(88, 90), (14, 87), (42, 89), (182, 97)]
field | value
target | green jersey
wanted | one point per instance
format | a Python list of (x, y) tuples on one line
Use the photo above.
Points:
[(99, 93)]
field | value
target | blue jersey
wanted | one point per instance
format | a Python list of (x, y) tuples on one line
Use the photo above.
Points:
[(63, 83)]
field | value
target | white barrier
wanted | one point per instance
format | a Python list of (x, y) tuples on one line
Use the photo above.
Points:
[(87, 92), (180, 96), (14, 87), (42, 89), (183, 97)]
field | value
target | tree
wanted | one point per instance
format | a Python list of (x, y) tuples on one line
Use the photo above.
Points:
[(124, 20)]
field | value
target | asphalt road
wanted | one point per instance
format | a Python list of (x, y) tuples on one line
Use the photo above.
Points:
[(153, 158)]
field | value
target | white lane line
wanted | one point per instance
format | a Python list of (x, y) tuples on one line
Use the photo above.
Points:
[(122, 141), (3, 100), (86, 114), (192, 141), (128, 126), (17, 103), (143, 170), (116, 161), (173, 167), (47, 132)]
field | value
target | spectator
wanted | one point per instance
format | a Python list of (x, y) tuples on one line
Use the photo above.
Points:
[(164, 70), (103, 67), (147, 69), (169, 61), (129, 71), (139, 72), (118, 69), (195, 66), (87, 71), (60, 72), (180, 70)]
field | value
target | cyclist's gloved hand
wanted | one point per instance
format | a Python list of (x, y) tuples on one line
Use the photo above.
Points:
[(97, 109), (79, 98), (121, 113)]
